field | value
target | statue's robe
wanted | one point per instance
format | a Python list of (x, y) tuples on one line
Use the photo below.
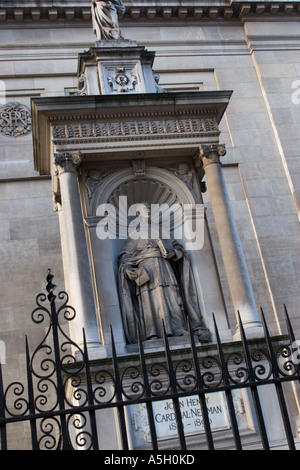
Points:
[(164, 290), (105, 19)]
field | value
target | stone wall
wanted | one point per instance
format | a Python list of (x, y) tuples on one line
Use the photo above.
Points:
[(255, 56)]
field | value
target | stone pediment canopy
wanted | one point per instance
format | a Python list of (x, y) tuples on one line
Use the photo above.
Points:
[(108, 125), (79, 10)]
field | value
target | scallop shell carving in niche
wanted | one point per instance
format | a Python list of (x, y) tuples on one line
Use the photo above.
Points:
[(141, 191)]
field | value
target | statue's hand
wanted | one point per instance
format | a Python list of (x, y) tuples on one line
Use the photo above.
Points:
[(170, 254)]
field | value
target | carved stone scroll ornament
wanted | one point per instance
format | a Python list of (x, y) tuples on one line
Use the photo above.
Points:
[(82, 86), (67, 161), (15, 120), (63, 162), (158, 88), (210, 153)]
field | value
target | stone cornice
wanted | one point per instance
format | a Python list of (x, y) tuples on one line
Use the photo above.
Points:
[(120, 123), (80, 11)]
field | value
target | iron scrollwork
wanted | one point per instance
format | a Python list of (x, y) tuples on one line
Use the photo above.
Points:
[(63, 394)]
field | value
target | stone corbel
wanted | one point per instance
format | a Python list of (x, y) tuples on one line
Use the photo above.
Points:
[(82, 86)]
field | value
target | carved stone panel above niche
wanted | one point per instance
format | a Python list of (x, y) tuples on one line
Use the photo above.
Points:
[(125, 78), (116, 126), (130, 130)]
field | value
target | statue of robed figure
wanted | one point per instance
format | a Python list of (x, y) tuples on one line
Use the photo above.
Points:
[(156, 285), (105, 15)]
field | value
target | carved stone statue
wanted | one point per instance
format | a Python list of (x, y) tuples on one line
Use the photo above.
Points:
[(105, 15), (156, 284)]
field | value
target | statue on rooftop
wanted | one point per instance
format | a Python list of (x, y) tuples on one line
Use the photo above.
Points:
[(105, 15)]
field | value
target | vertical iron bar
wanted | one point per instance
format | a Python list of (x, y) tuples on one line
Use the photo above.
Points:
[(66, 444), (278, 387), (291, 335), (253, 388), (148, 394), (92, 413), (174, 390), (228, 393), (34, 439), (2, 413), (201, 395), (289, 325), (119, 394)]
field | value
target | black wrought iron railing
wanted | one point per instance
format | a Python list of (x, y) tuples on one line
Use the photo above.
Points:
[(64, 392)]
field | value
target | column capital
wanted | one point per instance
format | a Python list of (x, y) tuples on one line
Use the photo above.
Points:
[(209, 153), (68, 162)]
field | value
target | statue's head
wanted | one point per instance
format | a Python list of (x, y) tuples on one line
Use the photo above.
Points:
[(144, 210)]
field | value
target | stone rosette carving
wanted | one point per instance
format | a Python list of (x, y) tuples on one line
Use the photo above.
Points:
[(15, 120)]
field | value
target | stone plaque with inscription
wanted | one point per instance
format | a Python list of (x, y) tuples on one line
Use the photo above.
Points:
[(192, 419)]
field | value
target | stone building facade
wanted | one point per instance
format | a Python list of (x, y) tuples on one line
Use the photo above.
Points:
[(249, 48)]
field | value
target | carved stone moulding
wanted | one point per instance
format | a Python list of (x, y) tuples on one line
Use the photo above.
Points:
[(101, 139), (133, 129)]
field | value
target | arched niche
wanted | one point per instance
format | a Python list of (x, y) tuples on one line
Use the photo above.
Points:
[(157, 186)]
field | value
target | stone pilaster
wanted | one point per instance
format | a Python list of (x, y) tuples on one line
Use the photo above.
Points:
[(230, 243)]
